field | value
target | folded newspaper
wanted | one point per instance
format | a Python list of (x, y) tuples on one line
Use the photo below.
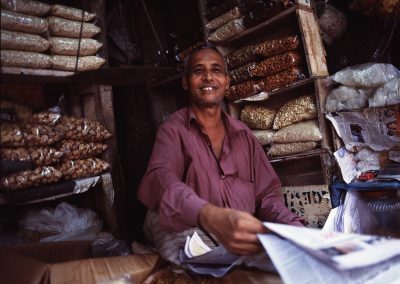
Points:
[(305, 255), (373, 127)]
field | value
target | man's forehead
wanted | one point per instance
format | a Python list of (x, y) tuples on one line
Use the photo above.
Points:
[(206, 55)]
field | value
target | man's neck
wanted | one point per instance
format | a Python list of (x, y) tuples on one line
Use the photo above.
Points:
[(209, 118)]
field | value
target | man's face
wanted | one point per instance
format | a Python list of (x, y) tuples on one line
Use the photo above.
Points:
[(207, 80)]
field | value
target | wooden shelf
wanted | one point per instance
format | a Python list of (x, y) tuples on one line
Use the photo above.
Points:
[(128, 75), (311, 153), (47, 192)]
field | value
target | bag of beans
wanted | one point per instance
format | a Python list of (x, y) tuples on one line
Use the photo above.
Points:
[(242, 74), (46, 118), (241, 56), (232, 14), (227, 31)]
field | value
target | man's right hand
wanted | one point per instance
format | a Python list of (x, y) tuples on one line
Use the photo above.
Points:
[(235, 229)]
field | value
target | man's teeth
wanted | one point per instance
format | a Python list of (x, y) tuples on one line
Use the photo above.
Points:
[(208, 88)]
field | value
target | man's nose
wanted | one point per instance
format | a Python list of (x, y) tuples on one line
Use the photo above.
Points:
[(207, 75)]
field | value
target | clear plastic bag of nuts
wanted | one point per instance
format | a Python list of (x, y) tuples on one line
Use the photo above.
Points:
[(257, 116), (15, 135), (46, 118), (30, 178), (84, 129), (40, 156), (73, 149), (277, 46), (74, 169)]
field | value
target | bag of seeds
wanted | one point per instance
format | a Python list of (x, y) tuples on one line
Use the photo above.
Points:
[(257, 116), (71, 13), (232, 14), (23, 41), (227, 31), (300, 109), (242, 74), (69, 46), (13, 21), (243, 90), (264, 136), (299, 132), (281, 79), (31, 7), (291, 148), (68, 63), (241, 56), (26, 59), (66, 28)]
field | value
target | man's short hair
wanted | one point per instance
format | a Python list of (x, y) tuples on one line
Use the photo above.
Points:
[(188, 59)]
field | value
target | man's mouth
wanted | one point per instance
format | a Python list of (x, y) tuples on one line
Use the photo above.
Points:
[(208, 88)]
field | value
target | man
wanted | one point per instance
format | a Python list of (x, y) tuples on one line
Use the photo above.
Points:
[(207, 169)]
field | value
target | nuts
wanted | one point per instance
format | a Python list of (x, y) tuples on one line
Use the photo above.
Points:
[(242, 90), (24, 179), (84, 129), (74, 169), (291, 148), (40, 156), (46, 117), (281, 79), (277, 46), (241, 56), (77, 150), (242, 74), (276, 64), (256, 116)]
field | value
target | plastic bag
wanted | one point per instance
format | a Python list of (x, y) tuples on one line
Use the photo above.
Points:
[(367, 160), (40, 156), (281, 79), (242, 74), (23, 41), (106, 245), (66, 221), (73, 149), (66, 28), (291, 148), (82, 168), (68, 63), (241, 56), (256, 116), (387, 94), (232, 14), (23, 23), (346, 98), (243, 90), (71, 13), (299, 132), (277, 46), (25, 59), (227, 31), (264, 136), (366, 75), (84, 129), (276, 64), (31, 7), (69, 46)]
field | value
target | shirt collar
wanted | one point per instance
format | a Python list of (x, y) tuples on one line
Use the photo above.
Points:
[(232, 125)]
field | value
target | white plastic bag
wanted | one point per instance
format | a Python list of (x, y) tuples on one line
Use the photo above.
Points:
[(387, 94), (66, 221), (366, 75), (346, 98)]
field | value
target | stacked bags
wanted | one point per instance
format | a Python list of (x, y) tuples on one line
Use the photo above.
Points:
[(290, 130), (231, 17), (264, 67), (55, 147), (29, 40)]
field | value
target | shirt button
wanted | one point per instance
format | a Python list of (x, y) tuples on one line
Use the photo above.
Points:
[(223, 176)]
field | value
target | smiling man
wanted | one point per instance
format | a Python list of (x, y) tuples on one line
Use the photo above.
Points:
[(208, 171)]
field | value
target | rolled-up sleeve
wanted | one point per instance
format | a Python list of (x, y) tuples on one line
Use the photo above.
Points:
[(162, 188)]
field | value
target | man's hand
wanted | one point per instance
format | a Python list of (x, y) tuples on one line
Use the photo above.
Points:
[(235, 229)]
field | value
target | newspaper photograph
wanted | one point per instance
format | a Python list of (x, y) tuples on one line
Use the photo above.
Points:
[(373, 127)]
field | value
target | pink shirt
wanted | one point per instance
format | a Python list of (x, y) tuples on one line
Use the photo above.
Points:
[(183, 174)]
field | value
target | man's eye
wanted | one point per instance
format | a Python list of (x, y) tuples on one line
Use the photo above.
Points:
[(197, 71)]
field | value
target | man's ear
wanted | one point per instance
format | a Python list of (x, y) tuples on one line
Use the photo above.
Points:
[(184, 83)]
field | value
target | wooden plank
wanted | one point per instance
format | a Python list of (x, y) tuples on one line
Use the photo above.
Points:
[(109, 204), (312, 42), (35, 72)]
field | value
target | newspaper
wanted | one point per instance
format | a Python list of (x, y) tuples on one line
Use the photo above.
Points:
[(307, 255), (373, 127)]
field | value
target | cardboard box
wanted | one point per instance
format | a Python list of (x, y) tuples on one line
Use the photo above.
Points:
[(69, 262)]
